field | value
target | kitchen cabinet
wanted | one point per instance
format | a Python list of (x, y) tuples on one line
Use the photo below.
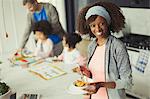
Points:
[(12, 23), (129, 3), (141, 86)]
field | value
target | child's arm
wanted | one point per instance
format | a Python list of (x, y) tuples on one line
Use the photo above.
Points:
[(61, 56), (81, 60), (38, 48), (48, 48)]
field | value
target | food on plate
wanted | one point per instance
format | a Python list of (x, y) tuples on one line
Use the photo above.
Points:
[(17, 56), (75, 69), (80, 83), (26, 53)]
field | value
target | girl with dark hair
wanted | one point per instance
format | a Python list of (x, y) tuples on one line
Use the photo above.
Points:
[(70, 54), (108, 60), (47, 44)]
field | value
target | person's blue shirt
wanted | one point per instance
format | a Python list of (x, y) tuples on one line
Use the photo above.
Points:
[(55, 38), (38, 16)]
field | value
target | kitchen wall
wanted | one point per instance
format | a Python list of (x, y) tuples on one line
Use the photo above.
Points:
[(60, 6), (138, 20)]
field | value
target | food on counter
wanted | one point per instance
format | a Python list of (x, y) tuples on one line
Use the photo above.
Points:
[(22, 54), (18, 56), (76, 69), (80, 83)]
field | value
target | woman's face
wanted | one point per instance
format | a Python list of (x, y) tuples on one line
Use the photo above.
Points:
[(99, 27), (40, 35), (31, 7)]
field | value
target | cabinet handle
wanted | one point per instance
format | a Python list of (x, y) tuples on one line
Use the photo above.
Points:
[(6, 34)]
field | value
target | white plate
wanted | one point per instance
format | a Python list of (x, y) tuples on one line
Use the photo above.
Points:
[(72, 89), (75, 90), (52, 59), (27, 53)]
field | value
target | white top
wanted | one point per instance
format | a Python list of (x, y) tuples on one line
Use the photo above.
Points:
[(69, 57), (44, 49)]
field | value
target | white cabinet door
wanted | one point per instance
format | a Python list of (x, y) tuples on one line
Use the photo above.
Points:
[(12, 22), (1, 29), (19, 18), (7, 43)]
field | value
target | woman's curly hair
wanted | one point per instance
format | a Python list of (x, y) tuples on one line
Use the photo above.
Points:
[(117, 18)]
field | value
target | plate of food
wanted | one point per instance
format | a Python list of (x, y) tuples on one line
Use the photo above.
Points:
[(27, 53), (20, 59), (77, 86)]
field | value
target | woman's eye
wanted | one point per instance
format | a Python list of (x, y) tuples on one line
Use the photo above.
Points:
[(101, 24), (92, 25)]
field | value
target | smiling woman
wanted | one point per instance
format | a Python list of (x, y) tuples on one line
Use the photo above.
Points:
[(108, 60)]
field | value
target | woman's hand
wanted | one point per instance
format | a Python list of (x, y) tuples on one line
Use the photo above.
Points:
[(84, 70), (93, 87)]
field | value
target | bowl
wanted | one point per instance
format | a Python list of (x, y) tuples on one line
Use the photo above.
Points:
[(75, 89), (26, 53)]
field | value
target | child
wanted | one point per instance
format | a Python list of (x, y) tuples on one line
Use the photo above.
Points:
[(70, 54), (46, 44)]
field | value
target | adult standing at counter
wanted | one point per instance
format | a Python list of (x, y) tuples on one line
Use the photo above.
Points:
[(38, 12), (108, 61)]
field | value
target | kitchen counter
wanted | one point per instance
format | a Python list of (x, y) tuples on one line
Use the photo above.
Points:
[(22, 81)]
